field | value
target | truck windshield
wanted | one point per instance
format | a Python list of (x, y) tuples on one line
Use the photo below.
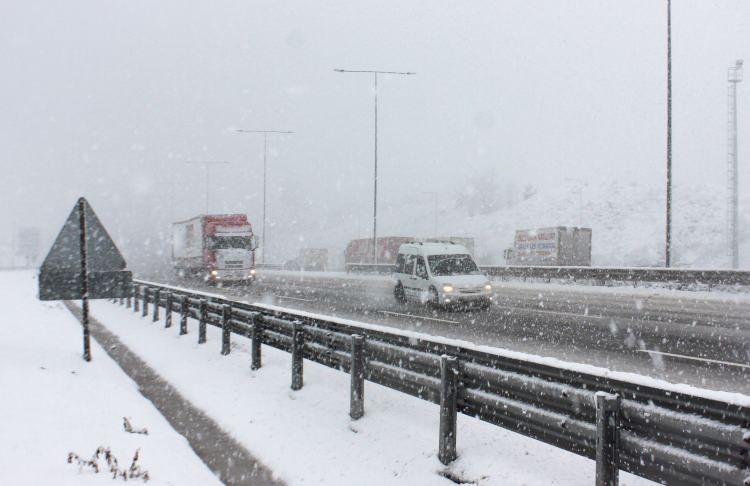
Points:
[(443, 265), (225, 242)]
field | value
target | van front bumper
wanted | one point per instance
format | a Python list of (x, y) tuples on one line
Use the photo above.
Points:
[(465, 298)]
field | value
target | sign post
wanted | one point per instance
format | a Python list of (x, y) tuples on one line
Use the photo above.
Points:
[(84, 281), (84, 263)]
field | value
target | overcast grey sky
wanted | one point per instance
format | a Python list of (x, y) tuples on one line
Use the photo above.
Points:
[(107, 99)]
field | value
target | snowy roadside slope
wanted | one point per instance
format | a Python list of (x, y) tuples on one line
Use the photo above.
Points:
[(54, 403), (306, 437)]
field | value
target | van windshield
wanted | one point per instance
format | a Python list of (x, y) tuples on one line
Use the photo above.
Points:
[(443, 265)]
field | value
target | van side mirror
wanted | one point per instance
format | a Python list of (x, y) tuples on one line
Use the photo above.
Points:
[(253, 243)]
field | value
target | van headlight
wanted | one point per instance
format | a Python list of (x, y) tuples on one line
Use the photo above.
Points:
[(488, 287), (447, 288), (252, 272)]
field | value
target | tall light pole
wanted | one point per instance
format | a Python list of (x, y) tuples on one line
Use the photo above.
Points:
[(265, 166), (375, 192), (207, 164), (435, 211), (668, 247), (734, 76)]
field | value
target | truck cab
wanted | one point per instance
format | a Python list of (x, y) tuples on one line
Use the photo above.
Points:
[(439, 274)]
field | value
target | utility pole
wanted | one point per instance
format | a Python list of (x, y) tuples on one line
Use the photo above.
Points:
[(207, 166), (265, 166), (668, 247), (375, 192), (734, 76)]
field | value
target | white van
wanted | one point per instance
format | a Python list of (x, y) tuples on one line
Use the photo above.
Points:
[(440, 273)]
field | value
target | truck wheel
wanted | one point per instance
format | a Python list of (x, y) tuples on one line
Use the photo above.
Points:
[(399, 294)]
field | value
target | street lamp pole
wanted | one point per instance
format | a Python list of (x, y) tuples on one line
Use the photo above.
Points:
[(668, 248), (207, 166), (265, 167), (375, 191)]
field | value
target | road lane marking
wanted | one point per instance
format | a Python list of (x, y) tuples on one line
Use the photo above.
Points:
[(728, 363), (293, 298), (543, 311), (418, 317)]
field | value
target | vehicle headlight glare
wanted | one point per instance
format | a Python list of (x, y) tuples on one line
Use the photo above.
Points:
[(447, 288), (488, 287)]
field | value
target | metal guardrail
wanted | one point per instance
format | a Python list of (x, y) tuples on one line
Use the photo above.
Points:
[(682, 276), (659, 434), (380, 268), (270, 266)]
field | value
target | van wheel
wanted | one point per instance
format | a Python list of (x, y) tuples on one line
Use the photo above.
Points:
[(399, 294), (434, 300)]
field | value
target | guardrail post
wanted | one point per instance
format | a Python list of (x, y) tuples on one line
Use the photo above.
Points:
[(607, 439), (357, 395), (136, 296), (202, 319), (157, 296), (168, 310), (448, 408), (298, 351), (145, 302), (255, 357), (226, 315), (184, 313)]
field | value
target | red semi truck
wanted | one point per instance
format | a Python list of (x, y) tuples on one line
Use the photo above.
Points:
[(215, 248)]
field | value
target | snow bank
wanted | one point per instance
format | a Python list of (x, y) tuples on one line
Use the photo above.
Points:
[(54, 403)]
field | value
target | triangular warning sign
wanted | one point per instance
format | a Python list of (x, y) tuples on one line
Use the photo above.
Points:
[(102, 254), (60, 274)]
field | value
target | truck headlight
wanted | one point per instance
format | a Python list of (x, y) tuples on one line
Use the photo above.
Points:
[(447, 288), (214, 273), (252, 272), (488, 287)]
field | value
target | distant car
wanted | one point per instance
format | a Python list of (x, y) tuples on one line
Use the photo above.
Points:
[(439, 274)]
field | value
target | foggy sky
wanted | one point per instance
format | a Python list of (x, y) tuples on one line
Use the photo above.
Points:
[(108, 99)]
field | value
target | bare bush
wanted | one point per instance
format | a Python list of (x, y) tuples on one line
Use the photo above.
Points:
[(129, 427), (105, 454)]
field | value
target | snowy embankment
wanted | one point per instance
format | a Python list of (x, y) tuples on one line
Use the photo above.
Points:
[(307, 436), (54, 403)]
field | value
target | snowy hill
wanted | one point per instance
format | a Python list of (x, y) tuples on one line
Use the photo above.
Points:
[(627, 219)]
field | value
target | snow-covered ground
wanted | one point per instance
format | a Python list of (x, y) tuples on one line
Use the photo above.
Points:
[(54, 403), (307, 437)]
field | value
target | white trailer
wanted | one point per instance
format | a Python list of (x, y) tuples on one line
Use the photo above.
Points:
[(557, 246)]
